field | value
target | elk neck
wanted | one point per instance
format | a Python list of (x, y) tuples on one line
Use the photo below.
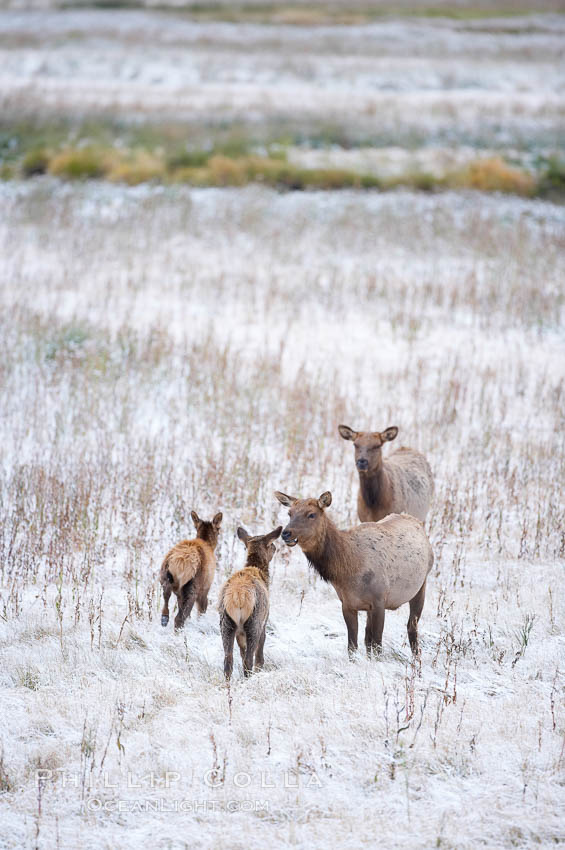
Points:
[(253, 560), (374, 486), (329, 556)]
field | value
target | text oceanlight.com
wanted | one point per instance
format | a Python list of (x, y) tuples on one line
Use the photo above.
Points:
[(162, 804)]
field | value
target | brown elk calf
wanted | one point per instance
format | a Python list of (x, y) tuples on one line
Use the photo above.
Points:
[(188, 570), (403, 483), (244, 603), (373, 567)]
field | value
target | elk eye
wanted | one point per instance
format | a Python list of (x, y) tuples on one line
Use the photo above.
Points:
[(311, 516)]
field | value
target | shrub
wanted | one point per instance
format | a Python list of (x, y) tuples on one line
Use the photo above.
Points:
[(370, 181), (552, 180), (224, 171), (35, 162), (331, 178), (140, 167), (6, 171), (193, 176), (493, 175), (264, 169), (81, 163), (187, 159)]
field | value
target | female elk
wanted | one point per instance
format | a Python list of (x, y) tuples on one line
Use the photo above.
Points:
[(188, 570), (373, 567), (403, 483), (244, 603)]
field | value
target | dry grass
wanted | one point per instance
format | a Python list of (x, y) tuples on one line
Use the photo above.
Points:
[(201, 168), (322, 13), (81, 164), (138, 167), (168, 347), (494, 175), (172, 349), (490, 84)]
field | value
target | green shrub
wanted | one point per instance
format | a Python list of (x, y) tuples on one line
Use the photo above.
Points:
[(35, 162), (81, 163), (187, 159), (6, 171), (331, 178), (370, 181), (552, 179)]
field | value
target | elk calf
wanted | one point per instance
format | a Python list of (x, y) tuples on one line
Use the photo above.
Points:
[(244, 603), (403, 483), (188, 570), (373, 567)]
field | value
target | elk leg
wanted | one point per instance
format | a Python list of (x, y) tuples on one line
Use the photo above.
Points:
[(416, 605), (227, 628), (202, 603), (351, 621), (374, 631), (242, 643), (166, 596), (248, 660), (186, 600), (259, 660), (252, 640)]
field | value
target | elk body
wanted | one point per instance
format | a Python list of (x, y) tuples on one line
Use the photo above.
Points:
[(244, 603), (188, 570), (373, 567), (403, 483)]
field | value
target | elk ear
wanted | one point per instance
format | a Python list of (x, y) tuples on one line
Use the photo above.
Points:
[(243, 535), (273, 534), (217, 521), (389, 433), (285, 500), (325, 500), (195, 518), (347, 433)]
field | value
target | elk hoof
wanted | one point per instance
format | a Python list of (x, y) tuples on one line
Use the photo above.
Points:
[(164, 620)]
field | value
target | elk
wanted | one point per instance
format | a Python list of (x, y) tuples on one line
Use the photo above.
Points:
[(403, 483), (244, 603), (373, 567), (188, 570)]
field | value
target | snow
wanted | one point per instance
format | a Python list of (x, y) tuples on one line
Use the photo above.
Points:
[(168, 349), (227, 333), (444, 78)]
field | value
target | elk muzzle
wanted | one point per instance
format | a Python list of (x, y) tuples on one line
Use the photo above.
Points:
[(289, 538)]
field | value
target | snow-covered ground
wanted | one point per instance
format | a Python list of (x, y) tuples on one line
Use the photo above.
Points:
[(168, 349), (498, 80)]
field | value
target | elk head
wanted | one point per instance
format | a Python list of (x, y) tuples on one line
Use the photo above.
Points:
[(306, 525), (368, 446), (261, 547), (205, 530)]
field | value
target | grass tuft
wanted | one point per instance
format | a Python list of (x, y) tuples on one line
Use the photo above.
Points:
[(35, 162), (139, 167), (493, 175), (81, 164)]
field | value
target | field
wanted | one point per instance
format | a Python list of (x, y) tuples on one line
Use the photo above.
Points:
[(169, 348)]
